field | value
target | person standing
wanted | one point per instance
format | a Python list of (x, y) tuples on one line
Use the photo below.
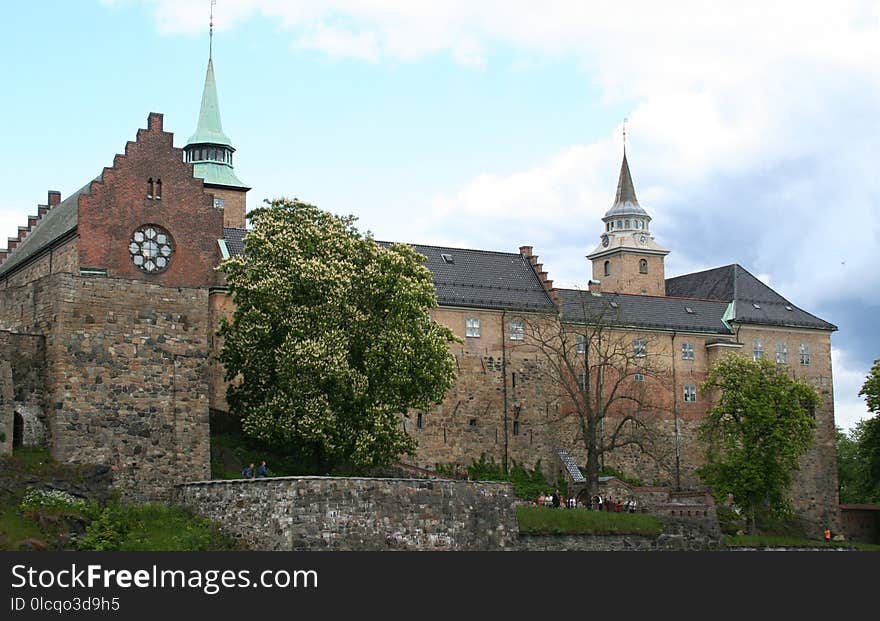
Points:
[(248, 472), (556, 499), (262, 471)]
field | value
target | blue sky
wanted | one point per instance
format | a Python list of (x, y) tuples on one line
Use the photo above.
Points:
[(752, 130)]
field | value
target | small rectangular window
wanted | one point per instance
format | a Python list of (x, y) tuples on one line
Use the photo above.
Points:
[(447, 258), (690, 393), (640, 348), (516, 427), (757, 349), (419, 421), (581, 381), (472, 422), (805, 354), (781, 353), (517, 330), (580, 344), (640, 377), (472, 327), (687, 351)]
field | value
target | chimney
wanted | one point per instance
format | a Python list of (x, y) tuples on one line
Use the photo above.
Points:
[(12, 242), (54, 198), (32, 221), (526, 251), (42, 210), (154, 121), (22, 232)]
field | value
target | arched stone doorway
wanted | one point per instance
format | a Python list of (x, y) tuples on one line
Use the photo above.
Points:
[(17, 431)]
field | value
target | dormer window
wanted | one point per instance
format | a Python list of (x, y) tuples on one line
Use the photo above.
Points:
[(447, 258)]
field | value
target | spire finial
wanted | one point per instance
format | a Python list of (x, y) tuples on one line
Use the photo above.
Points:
[(211, 31), (624, 134)]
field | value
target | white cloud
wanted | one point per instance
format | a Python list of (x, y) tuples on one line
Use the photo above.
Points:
[(849, 407)]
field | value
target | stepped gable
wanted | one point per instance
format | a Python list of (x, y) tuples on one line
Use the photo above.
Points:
[(484, 279), (754, 302), (644, 311), (56, 223)]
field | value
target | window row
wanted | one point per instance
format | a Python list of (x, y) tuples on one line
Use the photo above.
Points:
[(781, 352), (626, 223), (211, 154), (517, 328), (643, 267)]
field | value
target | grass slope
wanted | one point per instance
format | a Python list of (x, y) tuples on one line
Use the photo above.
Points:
[(550, 521)]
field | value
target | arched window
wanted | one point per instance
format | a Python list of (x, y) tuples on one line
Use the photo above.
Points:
[(626, 224), (150, 187), (643, 266), (608, 268), (158, 189)]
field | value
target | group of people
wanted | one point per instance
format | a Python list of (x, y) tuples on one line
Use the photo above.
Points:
[(596, 503), (248, 472)]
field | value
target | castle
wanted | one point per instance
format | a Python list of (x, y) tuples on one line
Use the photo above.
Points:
[(109, 301)]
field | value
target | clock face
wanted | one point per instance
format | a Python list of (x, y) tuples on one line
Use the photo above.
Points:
[(605, 240), (643, 239), (151, 249)]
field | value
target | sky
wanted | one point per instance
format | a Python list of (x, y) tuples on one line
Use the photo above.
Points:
[(752, 127)]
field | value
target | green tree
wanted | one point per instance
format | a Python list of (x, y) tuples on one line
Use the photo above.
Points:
[(858, 462), (331, 338), (871, 388), (756, 433)]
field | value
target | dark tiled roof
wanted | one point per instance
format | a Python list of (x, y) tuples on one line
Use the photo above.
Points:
[(484, 279), (644, 311), (754, 302), (58, 222), (234, 240)]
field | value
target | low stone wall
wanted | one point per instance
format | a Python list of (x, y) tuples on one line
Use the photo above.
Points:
[(614, 543), (327, 513)]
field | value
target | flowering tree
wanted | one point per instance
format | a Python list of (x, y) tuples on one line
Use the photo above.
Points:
[(331, 339)]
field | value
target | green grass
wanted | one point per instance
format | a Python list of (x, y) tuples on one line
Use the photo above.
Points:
[(775, 541), (153, 527), (550, 521)]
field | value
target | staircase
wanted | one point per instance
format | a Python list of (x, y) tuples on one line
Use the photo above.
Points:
[(573, 471)]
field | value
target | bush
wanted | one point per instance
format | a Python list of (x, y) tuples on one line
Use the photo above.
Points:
[(527, 484), (152, 527), (51, 499)]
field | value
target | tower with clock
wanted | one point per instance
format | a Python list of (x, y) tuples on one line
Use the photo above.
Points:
[(628, 259)]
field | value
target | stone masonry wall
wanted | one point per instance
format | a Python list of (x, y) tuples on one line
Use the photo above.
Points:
[(320, 513), (128, 381), (22, 387)]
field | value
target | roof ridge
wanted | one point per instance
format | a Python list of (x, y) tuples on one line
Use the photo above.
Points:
[(512, 254)]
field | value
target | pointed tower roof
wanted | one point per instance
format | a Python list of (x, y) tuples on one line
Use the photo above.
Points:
[(210, 129), (625, 201)]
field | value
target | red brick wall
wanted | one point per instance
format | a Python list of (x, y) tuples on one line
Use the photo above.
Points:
[(118, 204)]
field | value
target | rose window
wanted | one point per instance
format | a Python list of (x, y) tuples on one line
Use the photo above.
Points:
[(151, 249)]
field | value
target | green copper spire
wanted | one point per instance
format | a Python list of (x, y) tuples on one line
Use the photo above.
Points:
[(209, 150), (210, 130)]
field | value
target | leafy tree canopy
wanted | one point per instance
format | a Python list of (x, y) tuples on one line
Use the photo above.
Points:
[(871, 388), (755, 434), (331, 338)]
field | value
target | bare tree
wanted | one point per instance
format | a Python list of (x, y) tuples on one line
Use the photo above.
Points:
[(611, 380)]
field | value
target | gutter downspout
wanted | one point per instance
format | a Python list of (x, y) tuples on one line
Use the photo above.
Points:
[(504, 386), (677, 421)]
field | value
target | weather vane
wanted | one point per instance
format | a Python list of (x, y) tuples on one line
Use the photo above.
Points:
[(624, 133), (211, 31)]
